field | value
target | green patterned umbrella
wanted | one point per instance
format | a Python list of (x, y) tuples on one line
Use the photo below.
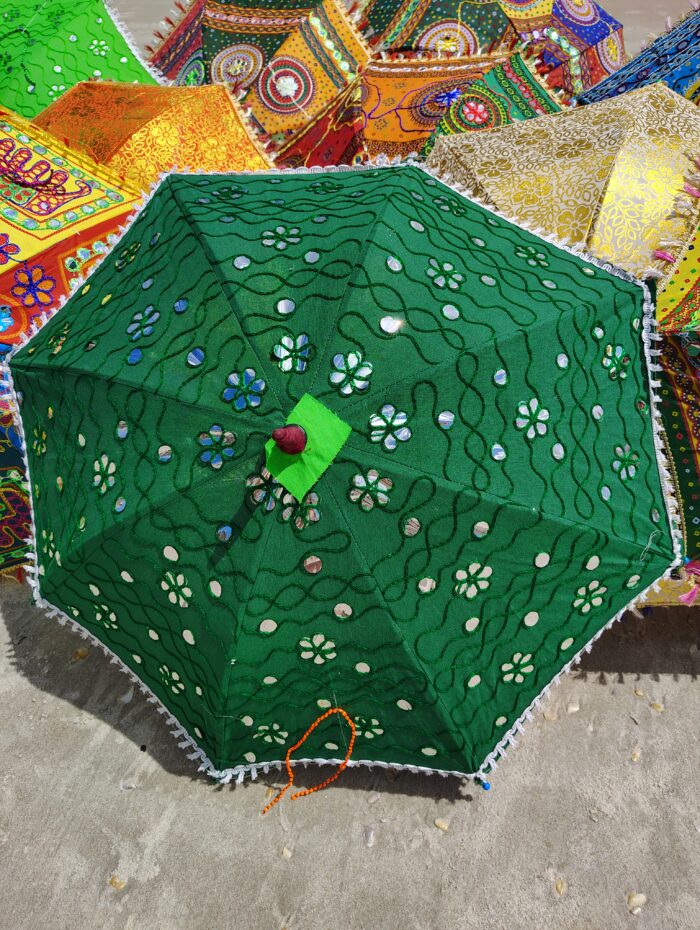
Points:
[(48, 46), (477, 498)]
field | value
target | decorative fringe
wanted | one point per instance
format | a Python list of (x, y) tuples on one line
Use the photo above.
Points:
[(226, 776), (686, 207)]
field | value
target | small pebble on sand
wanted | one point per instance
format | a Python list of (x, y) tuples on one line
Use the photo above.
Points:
[(442, 825), (635, 902), (286, 853), (561, 887)]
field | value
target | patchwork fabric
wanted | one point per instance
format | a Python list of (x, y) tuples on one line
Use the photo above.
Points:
[(179, 55), (15, 519), (451, 27), (59, 211), (391, 109), (673, 57), (140, 132), (581, 44), (47, 46), (508, 92), (496, 504)]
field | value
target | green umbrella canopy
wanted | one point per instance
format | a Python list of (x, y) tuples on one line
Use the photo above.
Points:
[(48, 46), (479, 495)]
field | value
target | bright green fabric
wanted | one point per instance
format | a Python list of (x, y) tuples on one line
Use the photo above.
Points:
[(326, 435), (497, 503), (48, 46)]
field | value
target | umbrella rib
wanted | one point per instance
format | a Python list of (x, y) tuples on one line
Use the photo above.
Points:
[(115, 379), (231, 301), (444, 712), (362, 454)]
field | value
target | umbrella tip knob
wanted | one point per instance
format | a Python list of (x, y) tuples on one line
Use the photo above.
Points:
[(290, 439), (486, 785)]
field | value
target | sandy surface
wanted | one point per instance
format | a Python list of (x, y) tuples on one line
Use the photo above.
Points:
[(600, 800)]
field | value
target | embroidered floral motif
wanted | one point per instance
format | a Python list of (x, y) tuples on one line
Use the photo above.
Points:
[(350, 373), (266, 490), (7, 249), (177, 588), (389, 427), (171, 679), (293, 354), (57, 340), (589, 596), (616, 360), (39, 440), (48, 546), (218, 446), (106, 616), (99, 47), (532, 418), (518, 667), (105, 470), (450, 205), (271, 733), (368, 727), (245, 390), (33, 286), (472, 580), (443, 274), (625, 463), (445, 98), (142, 323), (370, 490), (127, 255), (281, 237), (300, 513), (318, 648), (532, 255)]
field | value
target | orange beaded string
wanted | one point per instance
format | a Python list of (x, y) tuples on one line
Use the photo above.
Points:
[(324, 784)]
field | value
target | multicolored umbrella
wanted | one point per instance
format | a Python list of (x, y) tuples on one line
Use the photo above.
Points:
[(476, 497), (140, 132), (581, 44), (15, 516), (58, 212), (47, 46), (608, 177), (289, 58), (450, 27), (673, 57), (390, 109), (508, 92)]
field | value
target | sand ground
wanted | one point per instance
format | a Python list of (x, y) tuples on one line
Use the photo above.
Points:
[(104, 825)]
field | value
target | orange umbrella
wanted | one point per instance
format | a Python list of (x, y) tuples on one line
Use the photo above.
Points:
[(142, 131)]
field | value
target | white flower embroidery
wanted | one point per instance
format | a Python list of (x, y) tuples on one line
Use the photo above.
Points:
[(519, 666), (589, 596), (177, 588), (532, 418), (472, 580), (271, 733), (318, 648)]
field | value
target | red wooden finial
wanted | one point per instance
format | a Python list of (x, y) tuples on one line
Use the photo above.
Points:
[(290, 439)]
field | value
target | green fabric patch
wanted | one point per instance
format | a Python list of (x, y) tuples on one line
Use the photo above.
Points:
[(326, 435)]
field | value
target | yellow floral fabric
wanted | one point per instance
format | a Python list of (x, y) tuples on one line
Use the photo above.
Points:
[(141, 131), (605, 176)]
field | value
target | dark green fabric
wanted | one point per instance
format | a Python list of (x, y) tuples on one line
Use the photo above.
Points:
[(497, 503)]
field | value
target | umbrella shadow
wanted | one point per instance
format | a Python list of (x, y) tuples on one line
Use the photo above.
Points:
[(663, 641), (57, 662)]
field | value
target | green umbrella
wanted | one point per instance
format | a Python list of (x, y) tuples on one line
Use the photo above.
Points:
[(48, 46), (477, 498)]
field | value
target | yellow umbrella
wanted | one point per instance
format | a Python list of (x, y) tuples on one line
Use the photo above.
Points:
[(606, 177), (142, 131)]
